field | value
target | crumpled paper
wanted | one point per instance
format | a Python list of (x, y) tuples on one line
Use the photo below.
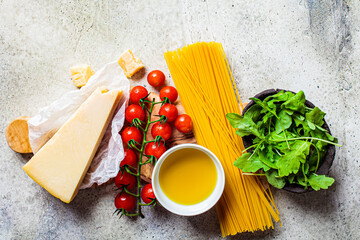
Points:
[(44, 125)]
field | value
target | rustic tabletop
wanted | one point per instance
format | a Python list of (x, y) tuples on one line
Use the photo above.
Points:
[(309, 45)]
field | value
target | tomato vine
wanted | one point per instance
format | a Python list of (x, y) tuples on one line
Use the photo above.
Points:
[(140, 147)]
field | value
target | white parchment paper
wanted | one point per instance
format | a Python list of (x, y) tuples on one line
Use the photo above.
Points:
[(44, 125)]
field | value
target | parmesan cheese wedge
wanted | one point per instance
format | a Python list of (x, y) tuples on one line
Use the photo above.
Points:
[(61, 164)]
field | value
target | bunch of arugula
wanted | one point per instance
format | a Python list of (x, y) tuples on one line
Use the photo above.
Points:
[(289, 141)]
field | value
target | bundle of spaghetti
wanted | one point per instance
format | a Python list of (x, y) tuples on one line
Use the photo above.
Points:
[(202, 75)]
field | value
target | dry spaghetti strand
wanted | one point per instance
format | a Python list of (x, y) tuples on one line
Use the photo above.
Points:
[(203, 77)]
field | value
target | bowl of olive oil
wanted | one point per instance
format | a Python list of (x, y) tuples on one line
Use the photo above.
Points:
[(188, 179)]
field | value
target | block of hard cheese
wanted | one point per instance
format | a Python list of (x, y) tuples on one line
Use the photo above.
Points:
[(80, 74), (61, 164), (130, 63)]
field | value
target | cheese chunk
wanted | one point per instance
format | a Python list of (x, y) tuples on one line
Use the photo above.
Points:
[(130, 63), (81, 74), (61, 164)]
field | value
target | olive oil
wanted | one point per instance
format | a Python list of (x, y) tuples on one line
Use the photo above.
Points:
[(188, 176)]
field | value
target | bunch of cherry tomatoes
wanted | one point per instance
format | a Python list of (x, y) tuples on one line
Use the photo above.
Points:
[(161, 129)]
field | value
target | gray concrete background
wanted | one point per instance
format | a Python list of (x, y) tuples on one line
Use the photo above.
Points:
[(311, 45)]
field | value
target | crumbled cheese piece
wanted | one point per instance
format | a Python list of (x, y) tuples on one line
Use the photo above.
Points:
[(130, 63), (80, 74)]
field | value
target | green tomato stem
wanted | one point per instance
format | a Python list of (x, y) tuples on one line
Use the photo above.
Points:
[(140, 164), (130, 193), (148, 161), (130, 172), (158, 120), (136, 148), (139, 126), (134, 214), (148, 204), (141, 155)]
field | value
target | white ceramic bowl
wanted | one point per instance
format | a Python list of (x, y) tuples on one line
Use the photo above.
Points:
[(188, 210)]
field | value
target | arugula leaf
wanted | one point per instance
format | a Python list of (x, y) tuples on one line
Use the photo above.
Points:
[(274, 179), (263, 157), (247, 164), (291, 178), (311, 125), (290, 161), (235, 119), (315, 116), (318, 182), (253, 112), (264, 105), (313, 159), (289, 112), (327, 135), (331, 138), (283, 122), (276, 137), (245, 126), (279, 97), (300, 179), (322, 135), (298, 119), (267, 117), (276, 98), (306, 168), (296, 103), (270, 155)]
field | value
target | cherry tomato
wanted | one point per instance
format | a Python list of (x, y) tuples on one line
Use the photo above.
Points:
[(147, 193), (169, 111), (155, 149), (137, 93), (156, 78), (129, 159), (183, 123), (163, 130), (131, 133), (169, 92), (134, 111), (125, 179), (125, 201)]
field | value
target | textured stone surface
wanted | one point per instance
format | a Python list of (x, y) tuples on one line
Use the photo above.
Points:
[(311, 45)]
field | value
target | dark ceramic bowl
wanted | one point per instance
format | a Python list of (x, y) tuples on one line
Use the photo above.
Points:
[(328, 159)]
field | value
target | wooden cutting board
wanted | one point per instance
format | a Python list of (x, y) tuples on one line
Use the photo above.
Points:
[(17, 135), (176, 138)]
